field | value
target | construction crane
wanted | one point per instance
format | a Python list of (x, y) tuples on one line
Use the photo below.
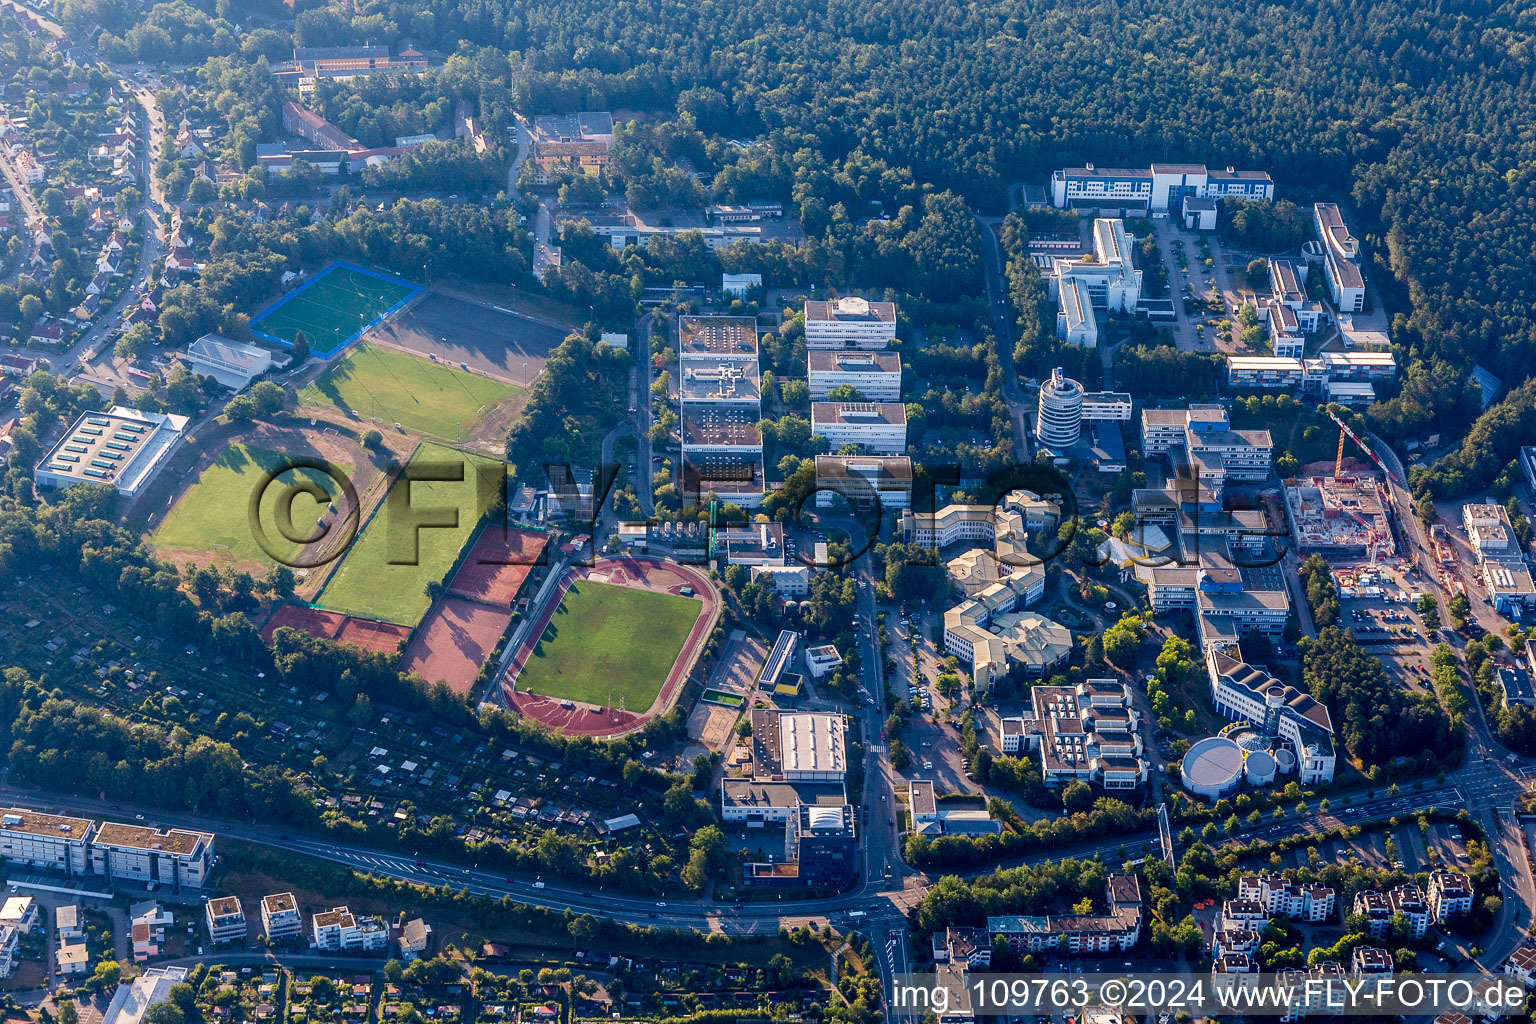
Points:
[(1338, 460)]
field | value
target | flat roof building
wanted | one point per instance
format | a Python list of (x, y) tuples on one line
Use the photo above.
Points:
[(875, 375), (225, 918), (879, 427), (864, 481), (1159, 187), (280, 917), (173, 857), (49, 841), (720, 400), (716, 336), (1108, 275), (849, 322), (1341, 258), (756, 801), (122, 447)]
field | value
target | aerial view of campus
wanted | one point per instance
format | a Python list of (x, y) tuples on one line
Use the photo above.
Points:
[(572, 512)]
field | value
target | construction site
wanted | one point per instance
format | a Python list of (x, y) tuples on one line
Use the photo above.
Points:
[(1345, 515)]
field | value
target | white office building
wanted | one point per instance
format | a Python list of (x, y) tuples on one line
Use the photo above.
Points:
[(1059, 418), (1341, 258), (1242, 692), (876, 375), (1075, 319), (849, 322), (1109, 275), (879, 427), (1161, 187)]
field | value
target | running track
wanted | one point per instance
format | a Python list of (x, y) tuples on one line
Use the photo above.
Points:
[(629, 571)]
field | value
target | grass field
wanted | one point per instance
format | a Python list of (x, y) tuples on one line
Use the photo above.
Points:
[(384, 575), (396, 387), (607, 643), (212, 514), (335, 306)]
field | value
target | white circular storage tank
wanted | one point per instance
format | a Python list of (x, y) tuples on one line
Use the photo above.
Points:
[(1285, 761), (1259, 768), (1212, 768)]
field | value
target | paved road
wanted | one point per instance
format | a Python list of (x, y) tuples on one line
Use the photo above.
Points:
[(1003, 325), (1489, 781), (151, 218)]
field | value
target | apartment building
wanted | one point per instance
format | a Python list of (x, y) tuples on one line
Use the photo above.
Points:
[(1369, 960), (21, 913), (849, 323), (48, 841), (875, 375), (1283, 897), (1159, 187), (879, 428), (338, 930), (1243, 915), (10, 945), (1341, 258), (1450, 892), (280, 917), (174, 857), (1408, 900), (225, 918), (1118, 929)]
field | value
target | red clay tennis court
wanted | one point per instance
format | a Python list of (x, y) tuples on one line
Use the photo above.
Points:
[(369, 634), (454, 640), (497, 566)]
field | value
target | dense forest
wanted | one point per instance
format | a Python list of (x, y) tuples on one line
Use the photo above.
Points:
[(1416, 114)]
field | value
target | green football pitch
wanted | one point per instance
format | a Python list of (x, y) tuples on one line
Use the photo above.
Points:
[(605, 644), (331, 309), (384, 575), (423, 396), (213, 513)]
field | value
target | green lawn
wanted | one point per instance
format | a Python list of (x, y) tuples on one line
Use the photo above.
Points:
[(213, 514), (396, 387), (385, 574), (332, 309), (607, 643)]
